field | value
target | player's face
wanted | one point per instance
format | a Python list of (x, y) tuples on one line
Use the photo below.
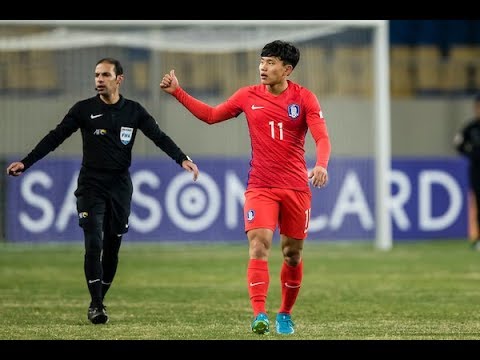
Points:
[(106, 82), (273, 71)]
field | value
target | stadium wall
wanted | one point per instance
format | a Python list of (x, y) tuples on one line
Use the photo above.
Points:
[(420, 127)]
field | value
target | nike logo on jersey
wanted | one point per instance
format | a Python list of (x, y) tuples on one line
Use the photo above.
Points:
[(92, 281), (95, 116), (257, 283), (257, 107), (292, 286)]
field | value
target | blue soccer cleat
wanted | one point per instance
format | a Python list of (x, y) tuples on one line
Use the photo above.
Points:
[(284, 324), (261, 324), (475, 245)]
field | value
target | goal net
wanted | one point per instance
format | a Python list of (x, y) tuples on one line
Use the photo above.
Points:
[(47, 65)]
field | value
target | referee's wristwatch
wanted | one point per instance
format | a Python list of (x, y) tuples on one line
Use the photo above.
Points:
[(188, 158)]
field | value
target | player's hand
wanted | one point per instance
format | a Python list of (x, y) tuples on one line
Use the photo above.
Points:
[(169, 82), (190, 166), (318, 176), (15, 168)]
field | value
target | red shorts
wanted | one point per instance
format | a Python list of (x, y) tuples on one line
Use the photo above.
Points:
[(268, 208)]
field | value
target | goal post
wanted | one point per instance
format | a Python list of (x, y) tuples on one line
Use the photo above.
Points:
[(74, 41), (382, 123)]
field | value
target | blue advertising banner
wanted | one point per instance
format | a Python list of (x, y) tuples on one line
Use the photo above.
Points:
[(428, 201)]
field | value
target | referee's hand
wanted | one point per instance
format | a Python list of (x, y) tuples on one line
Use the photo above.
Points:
[(15, 168), (190, 166)]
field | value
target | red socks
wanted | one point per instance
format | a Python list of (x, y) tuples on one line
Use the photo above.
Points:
[(258, 280), (291, 279)]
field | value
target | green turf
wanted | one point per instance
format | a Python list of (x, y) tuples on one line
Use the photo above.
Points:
[(418, 290)]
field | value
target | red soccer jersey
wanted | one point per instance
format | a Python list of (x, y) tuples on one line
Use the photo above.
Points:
[(277, 127)]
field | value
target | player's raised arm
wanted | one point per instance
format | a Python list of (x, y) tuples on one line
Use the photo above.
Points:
[(202, 111), (169, 82)]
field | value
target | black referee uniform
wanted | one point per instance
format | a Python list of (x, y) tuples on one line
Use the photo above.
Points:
[(104, 189), (467, 143)]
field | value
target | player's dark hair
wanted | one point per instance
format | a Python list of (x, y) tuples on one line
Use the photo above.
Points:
[(118, 67), (285, 51)]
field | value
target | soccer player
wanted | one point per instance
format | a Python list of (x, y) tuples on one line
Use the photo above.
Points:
[(109, 124), (467, 143), (279, 112)]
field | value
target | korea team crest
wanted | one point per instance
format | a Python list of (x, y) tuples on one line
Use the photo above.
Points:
[(126, 135), (293, 111), (250, 215)]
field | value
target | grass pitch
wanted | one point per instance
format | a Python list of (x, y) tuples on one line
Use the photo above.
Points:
[(351, 291)]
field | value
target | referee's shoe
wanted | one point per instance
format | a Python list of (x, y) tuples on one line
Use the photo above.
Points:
[(97, 314)]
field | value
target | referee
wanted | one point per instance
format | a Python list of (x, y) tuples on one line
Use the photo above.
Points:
[(108, 124)]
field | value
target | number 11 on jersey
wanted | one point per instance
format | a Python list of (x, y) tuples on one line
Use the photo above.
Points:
[(272, 129)]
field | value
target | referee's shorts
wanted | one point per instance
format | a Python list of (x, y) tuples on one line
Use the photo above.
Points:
[(104, 200)]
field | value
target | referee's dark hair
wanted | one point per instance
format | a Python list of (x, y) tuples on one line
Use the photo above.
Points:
[(115, 62)]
